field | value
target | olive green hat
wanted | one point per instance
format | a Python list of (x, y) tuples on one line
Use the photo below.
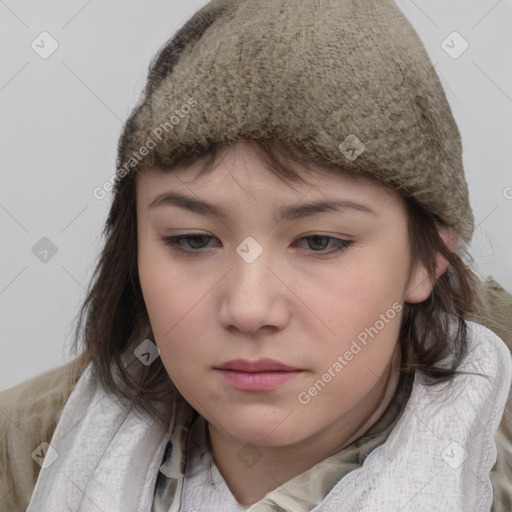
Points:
[(348, 81)]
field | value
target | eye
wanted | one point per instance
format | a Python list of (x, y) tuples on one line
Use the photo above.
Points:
[(321, 242), (195, 243), (198, 242)]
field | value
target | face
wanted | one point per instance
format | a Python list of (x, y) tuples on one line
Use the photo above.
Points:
[(318, 290)]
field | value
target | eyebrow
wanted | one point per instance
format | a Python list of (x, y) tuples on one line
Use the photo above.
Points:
[(291, 212)]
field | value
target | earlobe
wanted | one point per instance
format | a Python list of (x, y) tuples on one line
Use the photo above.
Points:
[(420, 285)]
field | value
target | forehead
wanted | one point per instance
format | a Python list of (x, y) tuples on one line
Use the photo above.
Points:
[(241, 167)]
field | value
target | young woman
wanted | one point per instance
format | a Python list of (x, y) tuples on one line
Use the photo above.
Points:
[(280, 318)]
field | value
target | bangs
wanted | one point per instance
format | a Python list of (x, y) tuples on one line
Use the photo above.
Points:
[(281, 158)]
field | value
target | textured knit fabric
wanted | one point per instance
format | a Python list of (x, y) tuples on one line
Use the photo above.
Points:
[(300, 494), (347, 81)]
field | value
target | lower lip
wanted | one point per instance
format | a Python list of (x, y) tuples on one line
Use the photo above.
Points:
[(258, 381)]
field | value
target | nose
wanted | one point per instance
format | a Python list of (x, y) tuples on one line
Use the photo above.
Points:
[(254, 297)]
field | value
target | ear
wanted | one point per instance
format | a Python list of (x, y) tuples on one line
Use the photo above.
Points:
[(420, 285), (451, 239)]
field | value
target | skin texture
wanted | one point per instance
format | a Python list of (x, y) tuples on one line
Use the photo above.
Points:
[(294, 303)]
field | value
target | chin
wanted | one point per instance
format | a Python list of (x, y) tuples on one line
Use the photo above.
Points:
[(262, 432)]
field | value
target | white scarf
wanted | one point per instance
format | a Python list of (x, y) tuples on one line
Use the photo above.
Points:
[(437, 457)]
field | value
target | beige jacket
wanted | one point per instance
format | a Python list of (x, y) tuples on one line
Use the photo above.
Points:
[(30, 412)]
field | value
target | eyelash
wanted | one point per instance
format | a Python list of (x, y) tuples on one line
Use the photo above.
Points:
[(173, 243)]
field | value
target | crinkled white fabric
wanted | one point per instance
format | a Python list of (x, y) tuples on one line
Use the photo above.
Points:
[(441, 451), (438, 456), (107, 461)]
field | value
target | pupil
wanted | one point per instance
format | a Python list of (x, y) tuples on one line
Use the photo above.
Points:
[(316, 238), (195, 238)]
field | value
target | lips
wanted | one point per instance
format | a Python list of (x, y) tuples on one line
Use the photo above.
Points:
[(261, 375), (261, 365)]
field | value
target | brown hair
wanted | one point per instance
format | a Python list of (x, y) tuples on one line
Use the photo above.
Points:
[(113, 319)]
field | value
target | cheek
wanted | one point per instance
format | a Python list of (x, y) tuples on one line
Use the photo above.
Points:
[(363, 310), (174, 306), (365, 287), (174, 310), (353, 362)]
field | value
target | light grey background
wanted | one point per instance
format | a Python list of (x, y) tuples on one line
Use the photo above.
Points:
[(61, 118)]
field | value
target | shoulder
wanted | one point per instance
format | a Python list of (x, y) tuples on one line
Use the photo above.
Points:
[(497, 317), (501, 473), (29, 413), (496, 309)]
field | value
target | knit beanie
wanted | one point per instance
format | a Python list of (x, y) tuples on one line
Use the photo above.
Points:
[(347, 81)]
